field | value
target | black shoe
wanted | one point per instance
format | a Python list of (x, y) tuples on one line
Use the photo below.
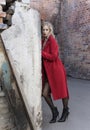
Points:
[(55, 115), (65, 114)]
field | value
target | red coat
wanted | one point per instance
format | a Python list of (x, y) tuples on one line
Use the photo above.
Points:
[(54, 69)]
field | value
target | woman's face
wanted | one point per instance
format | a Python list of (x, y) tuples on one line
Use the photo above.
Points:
[(45, 31)]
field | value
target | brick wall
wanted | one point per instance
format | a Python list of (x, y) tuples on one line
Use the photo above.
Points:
[(71, 20), (75, 15), (47, 8)]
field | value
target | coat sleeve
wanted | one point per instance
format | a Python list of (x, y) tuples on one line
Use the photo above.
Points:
[(53, 53)]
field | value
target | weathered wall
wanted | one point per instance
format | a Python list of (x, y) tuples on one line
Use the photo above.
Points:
[(22, 43), (71, 20), (12, 109), (47, 8), (75, 15)]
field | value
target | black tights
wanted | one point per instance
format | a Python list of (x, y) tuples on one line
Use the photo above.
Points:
[(47, 95), (65, 102)]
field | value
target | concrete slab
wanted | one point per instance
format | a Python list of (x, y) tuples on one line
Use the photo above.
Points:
[(79, 103), (22, 44)]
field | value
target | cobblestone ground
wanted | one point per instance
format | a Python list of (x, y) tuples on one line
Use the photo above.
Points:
[(6, 116)]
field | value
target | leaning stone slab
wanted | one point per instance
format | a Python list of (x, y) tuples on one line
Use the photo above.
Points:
[(22, 42), (26, 1)]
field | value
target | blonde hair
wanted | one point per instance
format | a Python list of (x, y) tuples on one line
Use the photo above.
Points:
[(50, 26)]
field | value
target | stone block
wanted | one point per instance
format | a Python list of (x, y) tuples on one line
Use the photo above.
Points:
[(3, 26), (2, 14), (2, 94), (26, 1), (14, 128), (22, 42), (1, 20)]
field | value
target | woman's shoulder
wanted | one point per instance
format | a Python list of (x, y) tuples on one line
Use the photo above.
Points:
[(51, 38)]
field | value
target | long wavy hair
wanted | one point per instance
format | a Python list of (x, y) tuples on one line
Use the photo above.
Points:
[(50, 26)]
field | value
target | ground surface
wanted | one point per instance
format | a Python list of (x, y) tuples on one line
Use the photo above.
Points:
[(79, 103)]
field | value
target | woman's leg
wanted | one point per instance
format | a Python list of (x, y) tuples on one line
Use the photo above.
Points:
[(65, 102), (47, 96), (65, 112)]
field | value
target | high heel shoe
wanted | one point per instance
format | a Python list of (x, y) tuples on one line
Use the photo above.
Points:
[(64, 115), (55, 115)]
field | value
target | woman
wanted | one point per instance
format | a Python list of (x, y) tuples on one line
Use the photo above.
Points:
[(53, 74)]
